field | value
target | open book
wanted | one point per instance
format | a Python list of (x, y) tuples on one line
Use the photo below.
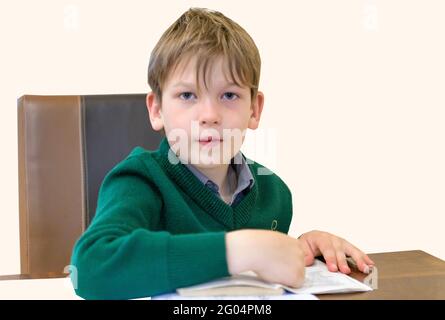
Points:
[(318, 280)]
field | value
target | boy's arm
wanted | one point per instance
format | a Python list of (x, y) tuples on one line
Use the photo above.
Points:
[(122, 256)]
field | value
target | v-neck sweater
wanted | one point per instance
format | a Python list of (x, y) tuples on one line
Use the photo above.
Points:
[(157, 227)]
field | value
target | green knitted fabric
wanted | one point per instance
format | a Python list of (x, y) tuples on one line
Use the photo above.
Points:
[(158, 228)]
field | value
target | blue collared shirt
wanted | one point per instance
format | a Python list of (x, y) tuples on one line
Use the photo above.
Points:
[(238, 174)]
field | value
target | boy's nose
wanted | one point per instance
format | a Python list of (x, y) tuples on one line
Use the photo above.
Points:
[(209, 114)]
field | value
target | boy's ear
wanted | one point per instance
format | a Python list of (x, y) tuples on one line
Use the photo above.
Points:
[(257, 108), (154, 111)]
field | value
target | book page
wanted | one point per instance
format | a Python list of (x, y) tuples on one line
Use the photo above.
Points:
[(287, 296), (319, 279)]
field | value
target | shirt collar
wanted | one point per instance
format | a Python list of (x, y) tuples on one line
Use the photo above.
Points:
[(238, 170)]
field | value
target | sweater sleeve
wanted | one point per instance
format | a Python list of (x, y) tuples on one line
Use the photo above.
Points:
[(125, 254)]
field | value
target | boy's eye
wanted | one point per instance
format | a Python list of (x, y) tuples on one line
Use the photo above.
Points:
[(186, 95), (189, 95), (230, 95)]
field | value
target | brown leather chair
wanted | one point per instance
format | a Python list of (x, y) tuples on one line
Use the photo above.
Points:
[(66, 145)]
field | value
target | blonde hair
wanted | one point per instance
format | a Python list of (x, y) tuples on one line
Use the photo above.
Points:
[(205, 35)]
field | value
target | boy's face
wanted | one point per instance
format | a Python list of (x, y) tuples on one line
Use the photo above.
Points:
[(204, 127)]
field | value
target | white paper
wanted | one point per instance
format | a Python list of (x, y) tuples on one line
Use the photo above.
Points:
[(318, 280), (287, 296), (243, 279)]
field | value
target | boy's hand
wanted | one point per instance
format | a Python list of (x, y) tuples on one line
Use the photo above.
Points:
[(334, 250), (273, 256)]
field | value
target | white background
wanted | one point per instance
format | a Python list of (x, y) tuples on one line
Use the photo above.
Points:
[(355, 95)]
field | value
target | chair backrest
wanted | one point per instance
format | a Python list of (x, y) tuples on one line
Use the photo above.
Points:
[(66, 146)]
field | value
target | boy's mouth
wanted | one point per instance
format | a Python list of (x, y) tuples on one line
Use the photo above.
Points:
[(209, 141)]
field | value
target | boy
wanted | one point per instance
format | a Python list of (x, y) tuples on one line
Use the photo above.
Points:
[(196, 209)]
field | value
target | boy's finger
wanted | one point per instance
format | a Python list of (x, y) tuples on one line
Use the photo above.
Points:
[(308, 255), (359, 260), (342, 264), (368, 260), (331, 259)]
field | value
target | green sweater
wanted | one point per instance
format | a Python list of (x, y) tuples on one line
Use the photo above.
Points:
[(158, 228)]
